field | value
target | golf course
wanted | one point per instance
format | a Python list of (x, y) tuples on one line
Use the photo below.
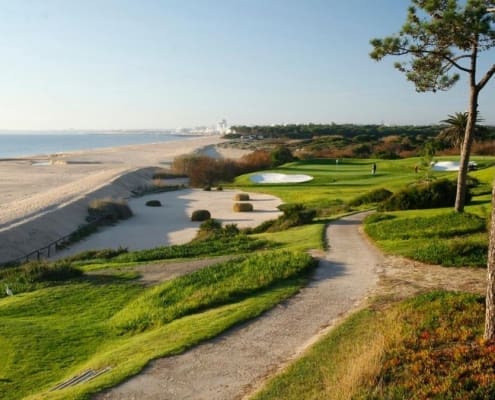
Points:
[(81, 325)]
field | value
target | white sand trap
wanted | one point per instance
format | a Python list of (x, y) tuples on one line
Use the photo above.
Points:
[(171, 223), (451, 165), (272, 177)]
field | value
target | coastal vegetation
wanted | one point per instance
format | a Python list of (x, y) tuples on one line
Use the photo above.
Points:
[(429, 346), (132, 323)]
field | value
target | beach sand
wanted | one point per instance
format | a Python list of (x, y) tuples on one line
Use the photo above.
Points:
[(45, 197)]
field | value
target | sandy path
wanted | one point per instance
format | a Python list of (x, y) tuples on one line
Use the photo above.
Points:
[(236, 363)]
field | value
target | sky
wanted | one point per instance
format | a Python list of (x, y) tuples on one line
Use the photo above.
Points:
[(163, 64)]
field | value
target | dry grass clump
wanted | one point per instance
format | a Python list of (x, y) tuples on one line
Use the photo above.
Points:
[(200, 215), (108, 208), (241, 197), (154, 203), (243, 207)]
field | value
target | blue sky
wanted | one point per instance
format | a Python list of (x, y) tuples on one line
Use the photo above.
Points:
[(131, 64)]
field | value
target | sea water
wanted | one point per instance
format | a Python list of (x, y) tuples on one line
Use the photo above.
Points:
[(28, 143)]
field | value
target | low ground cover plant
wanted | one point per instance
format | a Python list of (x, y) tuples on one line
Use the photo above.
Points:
[(428, 347)]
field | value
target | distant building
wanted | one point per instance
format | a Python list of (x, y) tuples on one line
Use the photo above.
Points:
[(222, 127)]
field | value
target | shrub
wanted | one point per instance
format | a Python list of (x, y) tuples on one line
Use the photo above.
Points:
[(162, 173), (207, 188), (36, 274), (105, 254), (281, 155), (153, 203), (109, 208), (231, 230), (441, 193), (241, 197), (219, 188), (243, 207), (255, 161), (375, 196), (210, 225), (200, 215)]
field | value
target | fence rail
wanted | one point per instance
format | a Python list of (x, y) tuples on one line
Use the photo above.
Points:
[(52, 247)]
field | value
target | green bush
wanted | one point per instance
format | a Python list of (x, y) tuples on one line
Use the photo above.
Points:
[(281, 155), (210, 225), (241, 197), (103, 254), (243, 207), (200, 215), (295, 214), (207, 188), (219, 188), (108, 208), (375, 196), (153, 203), (441, 193)]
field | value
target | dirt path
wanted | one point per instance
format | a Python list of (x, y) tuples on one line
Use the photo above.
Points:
[(234, 364)]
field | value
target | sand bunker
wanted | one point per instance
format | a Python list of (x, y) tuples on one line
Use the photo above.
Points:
[(171, 223), (271, 177), (451, 166)]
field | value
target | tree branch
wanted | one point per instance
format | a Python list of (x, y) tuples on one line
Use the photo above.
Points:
[(405, 50), (486, 78)]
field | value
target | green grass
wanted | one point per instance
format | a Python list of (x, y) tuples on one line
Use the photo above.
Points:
[(52, 334), (440, 237), (427, 347), (301, 238), (209, 287), (237, 244), (350, 179)]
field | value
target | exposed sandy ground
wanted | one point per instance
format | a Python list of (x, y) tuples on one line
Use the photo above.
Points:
[(41, 203), (171, 223), (237, 362)]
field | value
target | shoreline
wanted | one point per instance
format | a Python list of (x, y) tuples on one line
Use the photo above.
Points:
[(41, 203)]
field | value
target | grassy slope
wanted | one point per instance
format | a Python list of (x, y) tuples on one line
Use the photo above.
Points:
[(426, 347), (439, 236), (51, 334)]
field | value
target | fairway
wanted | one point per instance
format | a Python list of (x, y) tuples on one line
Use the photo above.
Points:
[(347, 179)]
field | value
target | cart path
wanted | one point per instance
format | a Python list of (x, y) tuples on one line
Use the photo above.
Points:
[(237, 362)]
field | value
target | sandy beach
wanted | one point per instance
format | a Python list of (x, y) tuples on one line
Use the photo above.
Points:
[(45, 197)]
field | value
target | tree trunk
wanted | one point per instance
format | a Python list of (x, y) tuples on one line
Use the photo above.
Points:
[(490, 290), (466, 150)]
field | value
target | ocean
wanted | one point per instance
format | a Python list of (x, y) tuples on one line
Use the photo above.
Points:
[(25, 143)]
